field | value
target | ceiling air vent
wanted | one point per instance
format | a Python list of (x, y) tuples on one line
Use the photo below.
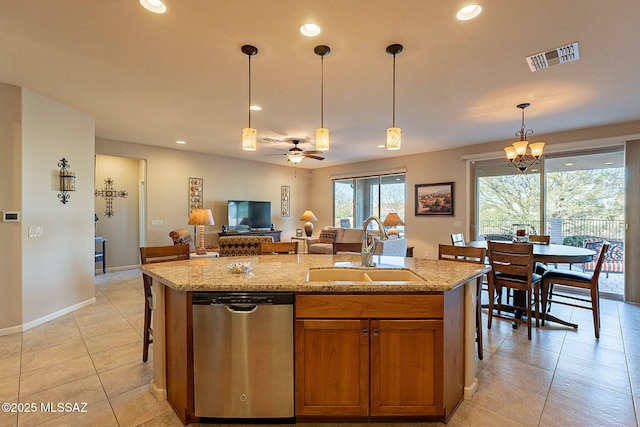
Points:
[(560, 55)]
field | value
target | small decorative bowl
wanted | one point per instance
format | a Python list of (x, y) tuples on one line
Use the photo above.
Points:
[(240, 267)]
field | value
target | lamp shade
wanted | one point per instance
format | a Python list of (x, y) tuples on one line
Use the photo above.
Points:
[(249, 139), (394, 138), (536, 148), (201, 217), (308, 216), (322, 139), (392, 220)]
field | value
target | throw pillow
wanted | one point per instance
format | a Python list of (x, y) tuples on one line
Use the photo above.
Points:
[(327, 236)]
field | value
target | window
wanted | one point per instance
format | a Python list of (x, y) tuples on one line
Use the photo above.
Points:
[(356, 199)]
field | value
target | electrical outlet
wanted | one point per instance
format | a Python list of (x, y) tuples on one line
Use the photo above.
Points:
[(156, 223), (457, 224)]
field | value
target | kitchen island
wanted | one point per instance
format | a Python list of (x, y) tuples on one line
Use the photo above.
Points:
[(438, 308)]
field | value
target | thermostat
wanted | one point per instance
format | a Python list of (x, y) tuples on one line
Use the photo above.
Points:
[(11, 216)]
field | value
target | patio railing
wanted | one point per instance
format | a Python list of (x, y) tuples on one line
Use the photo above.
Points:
[(558, 228)]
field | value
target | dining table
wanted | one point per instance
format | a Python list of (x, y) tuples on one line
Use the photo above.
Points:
[(550, 254)]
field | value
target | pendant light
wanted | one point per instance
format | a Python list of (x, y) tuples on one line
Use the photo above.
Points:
[(249, 135), (517, 152), (322, 133), (394, 134)]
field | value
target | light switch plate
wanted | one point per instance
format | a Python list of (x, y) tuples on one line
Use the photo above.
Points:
[(156, 223), (36, 231)]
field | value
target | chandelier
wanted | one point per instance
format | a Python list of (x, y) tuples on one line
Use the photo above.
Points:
[(517, 153)]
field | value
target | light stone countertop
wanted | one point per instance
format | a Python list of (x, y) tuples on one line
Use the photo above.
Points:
[(288, 273)]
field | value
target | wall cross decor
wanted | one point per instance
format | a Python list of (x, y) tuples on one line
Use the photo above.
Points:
[(108, 194)]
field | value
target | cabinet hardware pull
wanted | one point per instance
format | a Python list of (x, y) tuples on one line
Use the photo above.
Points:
[(376, 332), (365, 332)]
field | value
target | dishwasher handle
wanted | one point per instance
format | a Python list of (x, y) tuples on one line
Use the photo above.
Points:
[(242, 308)]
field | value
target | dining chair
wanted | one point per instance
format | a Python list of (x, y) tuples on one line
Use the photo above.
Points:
[(574, 279), (473, 255), (512, 268), (457, 239), (539, 239), (152, 255), (279, 247)]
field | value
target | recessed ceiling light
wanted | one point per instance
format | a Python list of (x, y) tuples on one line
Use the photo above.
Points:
[(608, 163), (382, 146), (469, 12), (255, 108), (310, 30), (181, 142), (155, 6), (568, 164)]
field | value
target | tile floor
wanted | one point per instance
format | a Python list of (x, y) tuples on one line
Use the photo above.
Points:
[(560, 378)]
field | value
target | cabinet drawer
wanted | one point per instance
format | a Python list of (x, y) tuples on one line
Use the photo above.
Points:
[(369, 306)]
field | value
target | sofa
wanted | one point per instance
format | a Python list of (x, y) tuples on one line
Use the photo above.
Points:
[(241, 245), (330, 235)]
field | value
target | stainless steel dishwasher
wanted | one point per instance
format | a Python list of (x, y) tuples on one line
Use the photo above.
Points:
[(243, 355)]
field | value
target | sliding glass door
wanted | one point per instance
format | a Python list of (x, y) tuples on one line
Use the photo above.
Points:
[(571, 197)]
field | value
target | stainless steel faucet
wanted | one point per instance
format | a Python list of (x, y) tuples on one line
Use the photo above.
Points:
[(369, 247)]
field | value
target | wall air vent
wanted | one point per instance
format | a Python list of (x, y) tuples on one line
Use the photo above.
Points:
[(560, 55)]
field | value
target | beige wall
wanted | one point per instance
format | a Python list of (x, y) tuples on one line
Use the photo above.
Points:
[(44, 277), (10, 200), (121, 230), (62, 279), (168, 172)]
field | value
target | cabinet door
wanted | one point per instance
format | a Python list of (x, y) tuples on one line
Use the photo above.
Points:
[(332, 367), (406, 367)]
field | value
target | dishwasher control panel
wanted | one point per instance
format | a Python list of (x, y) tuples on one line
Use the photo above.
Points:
[(228, 298)]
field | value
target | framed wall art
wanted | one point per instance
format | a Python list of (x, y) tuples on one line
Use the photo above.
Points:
[(195, 193), (434, 199), (285, 198)]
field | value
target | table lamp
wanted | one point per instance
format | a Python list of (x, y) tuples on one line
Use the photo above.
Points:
[(308, 226), (391, 221), (201, 217)]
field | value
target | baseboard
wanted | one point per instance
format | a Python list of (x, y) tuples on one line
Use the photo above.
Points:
[(121, 268), (44, 319)]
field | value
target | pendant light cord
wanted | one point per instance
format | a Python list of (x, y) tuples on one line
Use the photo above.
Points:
[(394, 92), (249, 90), (322, 91)]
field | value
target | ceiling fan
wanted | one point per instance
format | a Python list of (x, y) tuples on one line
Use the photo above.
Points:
[(296, 154)]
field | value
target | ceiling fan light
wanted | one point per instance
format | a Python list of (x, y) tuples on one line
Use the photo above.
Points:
[(295, 158), (322, 139), (249, 139), (394, 138)]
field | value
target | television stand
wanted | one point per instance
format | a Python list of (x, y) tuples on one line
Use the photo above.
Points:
[(275, 233)]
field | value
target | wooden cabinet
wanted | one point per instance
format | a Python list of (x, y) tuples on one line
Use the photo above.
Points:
[(365, 356)]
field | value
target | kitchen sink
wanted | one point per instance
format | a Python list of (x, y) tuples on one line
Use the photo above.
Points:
[(361, 275)]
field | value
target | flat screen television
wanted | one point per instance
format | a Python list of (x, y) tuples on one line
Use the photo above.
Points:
[(248, 215)]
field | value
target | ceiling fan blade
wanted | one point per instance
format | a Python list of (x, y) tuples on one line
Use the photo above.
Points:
[(311, 156), (314, 152)]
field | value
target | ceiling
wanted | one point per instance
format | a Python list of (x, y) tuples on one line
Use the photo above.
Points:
[(153, 79)]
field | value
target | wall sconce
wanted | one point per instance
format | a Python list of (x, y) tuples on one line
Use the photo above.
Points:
[(67, 181)]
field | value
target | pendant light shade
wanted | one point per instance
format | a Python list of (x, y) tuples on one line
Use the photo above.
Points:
[(394, 134), (249, 139), (394, 138), (322, 133), (249, 135)]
